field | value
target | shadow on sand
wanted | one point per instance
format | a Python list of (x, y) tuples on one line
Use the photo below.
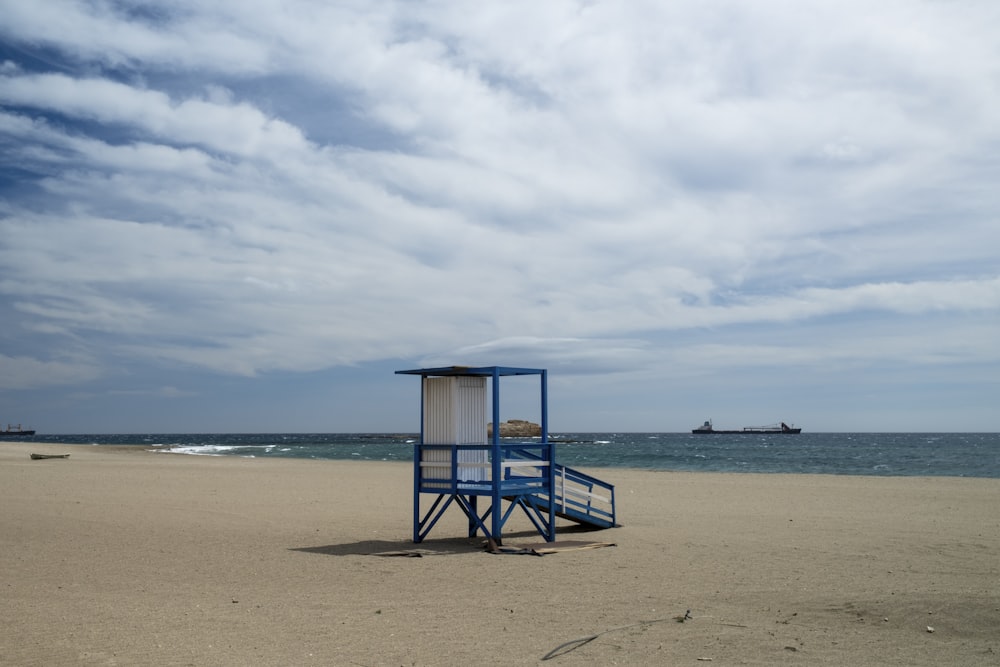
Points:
[(430, 547)]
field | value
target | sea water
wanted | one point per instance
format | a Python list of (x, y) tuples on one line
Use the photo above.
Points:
[(879, 454)]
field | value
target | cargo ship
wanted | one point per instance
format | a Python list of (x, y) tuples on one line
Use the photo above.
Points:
[(781, 428), (15, 432)]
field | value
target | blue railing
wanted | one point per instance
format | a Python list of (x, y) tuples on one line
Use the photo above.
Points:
[(578, 496), (523, 471)]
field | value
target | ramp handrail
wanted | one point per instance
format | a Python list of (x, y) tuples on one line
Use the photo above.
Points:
[(577, 495)]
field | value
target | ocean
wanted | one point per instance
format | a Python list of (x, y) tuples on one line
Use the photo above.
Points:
[(875, 454)]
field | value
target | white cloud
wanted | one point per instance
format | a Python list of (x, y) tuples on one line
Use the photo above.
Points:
[(232, 128), (295, 186), (107, 34)]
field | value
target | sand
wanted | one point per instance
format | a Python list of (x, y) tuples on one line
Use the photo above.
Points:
[(118, 556)]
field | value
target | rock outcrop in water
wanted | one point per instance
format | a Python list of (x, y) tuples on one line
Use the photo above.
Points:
[(516, 428)]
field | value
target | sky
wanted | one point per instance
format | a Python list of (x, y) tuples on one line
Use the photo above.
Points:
[(238, 216)]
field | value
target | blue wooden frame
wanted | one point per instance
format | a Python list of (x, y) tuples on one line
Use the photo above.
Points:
[(504, 484)]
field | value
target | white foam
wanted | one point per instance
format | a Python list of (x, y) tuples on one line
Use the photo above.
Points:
[(199, 450)]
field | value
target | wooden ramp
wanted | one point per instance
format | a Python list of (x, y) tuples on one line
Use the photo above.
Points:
[(579, 497)]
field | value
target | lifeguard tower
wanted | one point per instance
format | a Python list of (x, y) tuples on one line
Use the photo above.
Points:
[(455, 461)]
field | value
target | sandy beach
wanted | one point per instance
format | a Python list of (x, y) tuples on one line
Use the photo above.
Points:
[(119, 556)]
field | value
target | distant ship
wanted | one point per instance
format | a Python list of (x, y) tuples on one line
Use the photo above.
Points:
[(15, 432), (783, 428)]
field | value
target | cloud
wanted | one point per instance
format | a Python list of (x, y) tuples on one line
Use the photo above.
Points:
[(20, 373), (298, 186), (130, 36), (158, 392), (230, 128)]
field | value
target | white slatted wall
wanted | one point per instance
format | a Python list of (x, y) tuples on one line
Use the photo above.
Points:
[(471, 427), (455, 414)]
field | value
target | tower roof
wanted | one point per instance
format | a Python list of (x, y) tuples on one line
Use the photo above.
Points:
[(479, 371)]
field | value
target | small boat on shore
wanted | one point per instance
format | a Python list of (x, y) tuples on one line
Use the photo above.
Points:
[(15, 432), (37, 457), (779, 429)]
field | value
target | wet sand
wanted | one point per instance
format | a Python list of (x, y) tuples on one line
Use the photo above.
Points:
[(121, 556)]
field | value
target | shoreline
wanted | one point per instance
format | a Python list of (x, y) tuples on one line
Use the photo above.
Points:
[(143, 559), (597, 470)]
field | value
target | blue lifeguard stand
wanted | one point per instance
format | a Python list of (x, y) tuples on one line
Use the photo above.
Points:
[(457, 462)]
